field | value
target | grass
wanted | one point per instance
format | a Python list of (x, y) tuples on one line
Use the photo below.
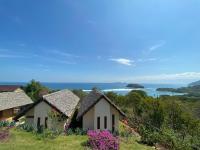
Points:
[(20, 140)]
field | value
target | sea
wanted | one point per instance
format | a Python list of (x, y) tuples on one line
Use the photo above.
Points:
[(119, 88)]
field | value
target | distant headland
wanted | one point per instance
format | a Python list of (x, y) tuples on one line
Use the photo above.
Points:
[(134, 85)]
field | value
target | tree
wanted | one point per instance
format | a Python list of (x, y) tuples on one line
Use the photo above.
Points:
[(135, 99), (80, 93), (35, 90)]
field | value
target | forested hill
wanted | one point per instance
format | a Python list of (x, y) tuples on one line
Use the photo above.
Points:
[(194, 83), (190, 90)]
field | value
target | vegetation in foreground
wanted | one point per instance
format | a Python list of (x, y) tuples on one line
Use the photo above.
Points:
[(21, 140), (171, 121)]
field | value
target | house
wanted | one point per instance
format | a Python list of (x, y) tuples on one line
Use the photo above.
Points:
[(97, 111), (10, 88), (58, 105), (12, 102)]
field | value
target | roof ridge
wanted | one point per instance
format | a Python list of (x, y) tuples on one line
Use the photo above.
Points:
[(55, 92), (13, 92)]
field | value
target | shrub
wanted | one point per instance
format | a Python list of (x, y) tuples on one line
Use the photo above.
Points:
[(102, 140), (149, 136), (76, 131), (7, 124), (26, 127)]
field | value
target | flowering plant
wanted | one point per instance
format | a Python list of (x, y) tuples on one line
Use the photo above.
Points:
[(102, 140)]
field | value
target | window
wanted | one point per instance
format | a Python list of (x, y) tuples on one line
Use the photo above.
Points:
[(1, 114), (46, 122), (38, 122), (105, 122), (98, 122), (113, 123)]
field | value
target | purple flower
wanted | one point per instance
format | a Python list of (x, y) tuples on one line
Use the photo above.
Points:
[(102, 140)]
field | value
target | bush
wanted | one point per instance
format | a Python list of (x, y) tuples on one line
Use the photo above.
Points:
[(148, 136), (47, 133), (102, 140), (40, 132), (26, 127), (7, 124), (76, 131)]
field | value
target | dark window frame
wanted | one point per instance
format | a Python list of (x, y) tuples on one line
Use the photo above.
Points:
[(105, 122), (38, 122), (113, 122), (1, 114), (98, 123), (46, 122)]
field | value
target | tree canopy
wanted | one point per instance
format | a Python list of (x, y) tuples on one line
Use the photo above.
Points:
[(35, 90)]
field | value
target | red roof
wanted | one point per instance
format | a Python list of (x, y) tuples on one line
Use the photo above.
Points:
[(9, 88)]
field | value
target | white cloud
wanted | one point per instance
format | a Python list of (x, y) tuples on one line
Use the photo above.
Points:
[(161, 78), (147, 60), (59, 61), (58, 52), (156, 46), (123, 61)]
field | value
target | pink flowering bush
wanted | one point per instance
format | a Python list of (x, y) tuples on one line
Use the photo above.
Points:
[(102, 140)]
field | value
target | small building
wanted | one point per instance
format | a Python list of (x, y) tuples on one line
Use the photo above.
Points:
[(52, 111), (97, 111), (11, 103), (10, 88)]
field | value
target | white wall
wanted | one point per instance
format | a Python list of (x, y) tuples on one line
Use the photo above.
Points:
[(101, 109), (115, 112), (41, 110), (29, 114), (88, 120)]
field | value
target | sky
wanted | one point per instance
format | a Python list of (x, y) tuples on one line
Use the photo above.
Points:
[(154, 41)]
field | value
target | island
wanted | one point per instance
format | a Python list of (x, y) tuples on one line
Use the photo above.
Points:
[(190, 90), (134, 85), (197, 83), (166, 89)]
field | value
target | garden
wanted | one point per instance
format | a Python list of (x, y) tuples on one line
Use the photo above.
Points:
[(25, 137)]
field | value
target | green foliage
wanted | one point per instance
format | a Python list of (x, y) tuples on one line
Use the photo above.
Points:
[(35, 90), (76, 131), (26, 127), (191, 91), (7, 124), (40, 132), (169, 120), (148, 135), (80, 93)]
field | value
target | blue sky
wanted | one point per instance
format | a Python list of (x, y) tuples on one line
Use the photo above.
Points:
[(100, 41)]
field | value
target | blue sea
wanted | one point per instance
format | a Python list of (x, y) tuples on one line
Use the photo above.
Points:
[(119, 88)]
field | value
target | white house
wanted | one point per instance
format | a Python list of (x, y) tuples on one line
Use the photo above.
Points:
[(12, 102), (62, 103), (98, 112)]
